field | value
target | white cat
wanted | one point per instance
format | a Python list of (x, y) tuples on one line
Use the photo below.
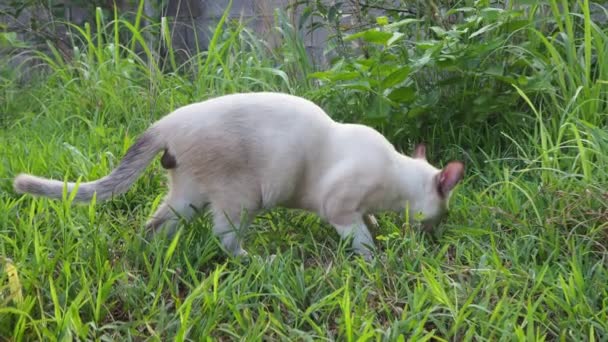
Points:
[(243, 153)]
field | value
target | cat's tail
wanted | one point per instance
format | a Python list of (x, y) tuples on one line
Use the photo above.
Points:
[(137, 158)]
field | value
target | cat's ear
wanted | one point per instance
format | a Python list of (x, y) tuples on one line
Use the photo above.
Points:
[(420, 151), (449, 177)]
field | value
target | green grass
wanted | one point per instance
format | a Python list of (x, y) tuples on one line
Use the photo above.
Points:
[(522, 256)]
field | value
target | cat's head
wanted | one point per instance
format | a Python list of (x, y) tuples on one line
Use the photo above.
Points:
[(435, 188)]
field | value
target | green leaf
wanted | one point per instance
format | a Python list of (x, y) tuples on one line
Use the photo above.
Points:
[(427, 44), (495, 70), (423, 60), (483, 30), (383, 20), (491, 13), (403, 95), (438, 31), (171, 249), (396, 77), (396, 36), (401, 23), (277, 72), (334, 76), (358, 85), (380, 108), (416, 111), (514, 25), (9, 39), (371, 36)]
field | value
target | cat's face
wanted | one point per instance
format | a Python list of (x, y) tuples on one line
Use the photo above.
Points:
[(435, 189)]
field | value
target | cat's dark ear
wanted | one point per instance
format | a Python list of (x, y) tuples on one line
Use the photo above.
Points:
[(420, 151), (449, 177)]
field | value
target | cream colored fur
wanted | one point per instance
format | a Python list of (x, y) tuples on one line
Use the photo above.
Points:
[(243, 153)]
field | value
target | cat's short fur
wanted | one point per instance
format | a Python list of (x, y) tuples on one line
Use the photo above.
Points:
[(243, 153)]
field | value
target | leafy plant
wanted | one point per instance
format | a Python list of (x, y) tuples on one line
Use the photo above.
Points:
[(415, 73)]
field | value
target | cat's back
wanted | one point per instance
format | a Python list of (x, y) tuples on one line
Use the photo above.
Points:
[(259, 127), (249, 110), (261, 131)]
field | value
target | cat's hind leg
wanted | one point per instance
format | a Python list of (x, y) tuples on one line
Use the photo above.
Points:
[(231, 217), (182, 201)]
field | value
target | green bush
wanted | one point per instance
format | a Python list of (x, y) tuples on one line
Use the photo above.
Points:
[(412, 74)]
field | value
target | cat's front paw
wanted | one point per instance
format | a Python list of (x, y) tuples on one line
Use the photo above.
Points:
[(367, 255), (240, 254)]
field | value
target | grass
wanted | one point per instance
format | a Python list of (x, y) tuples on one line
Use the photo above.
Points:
[(522, 257)]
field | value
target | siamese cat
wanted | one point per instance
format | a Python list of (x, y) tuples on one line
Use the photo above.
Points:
[(242, 153)]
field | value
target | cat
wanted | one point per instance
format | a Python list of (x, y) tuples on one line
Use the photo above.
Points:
[(242, 153)]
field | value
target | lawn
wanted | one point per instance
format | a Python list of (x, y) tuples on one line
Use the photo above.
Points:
[(522, 256)]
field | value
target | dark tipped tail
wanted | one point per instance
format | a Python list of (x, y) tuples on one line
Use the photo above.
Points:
[(135, 161)]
